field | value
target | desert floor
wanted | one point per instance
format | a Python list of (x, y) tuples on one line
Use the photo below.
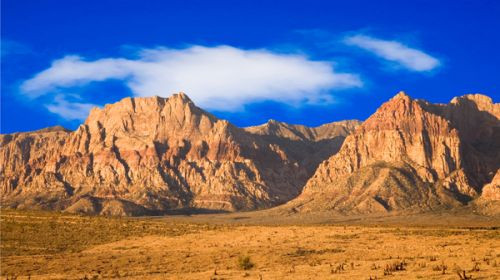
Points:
[(44, 245)]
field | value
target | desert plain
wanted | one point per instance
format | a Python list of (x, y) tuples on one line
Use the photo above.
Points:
[(249, 245)]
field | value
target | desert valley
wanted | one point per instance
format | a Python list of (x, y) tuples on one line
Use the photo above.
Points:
[(158, 188)]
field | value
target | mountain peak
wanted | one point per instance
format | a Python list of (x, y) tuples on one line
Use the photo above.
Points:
[(475, 102), (181, 96), (401, 105), (56, 128), (404, 148), (165, 153), (401, 95), (141, 105), (476, 97), (400, 100), (275, 123)]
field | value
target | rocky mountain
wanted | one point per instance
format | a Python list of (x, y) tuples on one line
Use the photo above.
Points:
[(153, 155), (411, 155), (311, 145), (156, 155), (301, 132)]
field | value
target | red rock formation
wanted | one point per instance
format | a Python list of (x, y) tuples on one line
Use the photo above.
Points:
[(145, 155), (410, 154), (491, 191), (489, 201), (311, 144)]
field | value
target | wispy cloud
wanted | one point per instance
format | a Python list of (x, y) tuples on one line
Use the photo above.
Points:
[(410, 58), (222, 78), (69, 110), (10, 47)]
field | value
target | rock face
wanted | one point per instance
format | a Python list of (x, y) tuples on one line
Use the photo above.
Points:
[(410, 155), (155, 155), (151, 155), (489, 201), (311, 145), (304, 133), (491, 191)]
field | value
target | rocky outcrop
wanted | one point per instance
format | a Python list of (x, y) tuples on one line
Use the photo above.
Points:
[(304, 133), (152, 155), (491, 191), (410, 154), (489, 201), (311, 145)]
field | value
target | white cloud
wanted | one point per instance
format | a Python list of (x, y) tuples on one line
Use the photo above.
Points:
[(394, 51), (222, 77), (73, 71), (69, 110)]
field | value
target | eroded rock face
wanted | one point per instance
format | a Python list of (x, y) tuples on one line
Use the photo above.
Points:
[(147, 155), (151, 155), (311, 145), (489, 201), (410, 154), (491, 191), (305, 133)]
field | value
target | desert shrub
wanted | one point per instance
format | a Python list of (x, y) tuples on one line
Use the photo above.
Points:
[(462, 274), (337, 269), (245, 263), (43, 232), (396, 266), (475, 267), (300, 252), (440, 267)]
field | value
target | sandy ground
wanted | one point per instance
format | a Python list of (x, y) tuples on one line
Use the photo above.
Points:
[(280, 252)]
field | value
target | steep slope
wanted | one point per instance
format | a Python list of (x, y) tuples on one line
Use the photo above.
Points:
[(147, 155), (491, 191), (410, 155), (311, 145), (476, 118), (304, 133), (489, 201)]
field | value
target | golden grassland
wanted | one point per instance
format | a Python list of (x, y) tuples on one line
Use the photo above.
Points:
[(49, 245)]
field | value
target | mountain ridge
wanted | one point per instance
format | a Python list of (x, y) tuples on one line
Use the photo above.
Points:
[(409, 154), (153, 155)]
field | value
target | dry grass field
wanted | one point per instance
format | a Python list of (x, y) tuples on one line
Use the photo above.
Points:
[(43, 245)]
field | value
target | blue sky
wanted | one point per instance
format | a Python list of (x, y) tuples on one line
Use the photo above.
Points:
[(306, 62)]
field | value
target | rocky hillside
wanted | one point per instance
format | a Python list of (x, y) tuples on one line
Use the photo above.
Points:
[(311, 145), (152, 155), (156, 155), (411, 155)]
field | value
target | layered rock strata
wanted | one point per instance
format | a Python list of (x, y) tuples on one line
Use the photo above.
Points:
[(152, 155), (411, 155)]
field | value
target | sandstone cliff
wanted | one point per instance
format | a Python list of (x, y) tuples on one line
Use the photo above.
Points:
[(410, 155), (155, 155), (152, 155), (489, 201), (311, 145)]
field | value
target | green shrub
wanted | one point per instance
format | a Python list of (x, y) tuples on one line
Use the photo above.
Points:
[(245, 263)]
